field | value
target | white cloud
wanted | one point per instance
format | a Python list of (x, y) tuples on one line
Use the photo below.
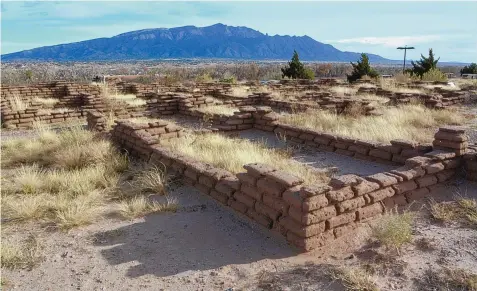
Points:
[(390, 41)]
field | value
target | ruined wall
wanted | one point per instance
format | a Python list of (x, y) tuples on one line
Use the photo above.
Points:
[(309, 216), (470, 163)]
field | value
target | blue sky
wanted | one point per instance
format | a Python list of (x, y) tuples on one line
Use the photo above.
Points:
[(450, 28)]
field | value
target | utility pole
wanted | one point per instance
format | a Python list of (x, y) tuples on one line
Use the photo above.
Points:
[(405, 48)]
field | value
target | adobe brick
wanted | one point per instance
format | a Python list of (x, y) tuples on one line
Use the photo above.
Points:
[(300, 230), (267, 211), (340, 220), (251, 191), (369, 211), (339, 195), (270, 186), (247, 200), (427, 181), (404, 187), (275, 203), (381, 194), (351, 204)]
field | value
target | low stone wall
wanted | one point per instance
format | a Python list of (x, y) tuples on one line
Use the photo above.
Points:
[(397, 151), (24, 119), (240, 120), (439, 98), (309, 216), (470, 163), (138, 138)]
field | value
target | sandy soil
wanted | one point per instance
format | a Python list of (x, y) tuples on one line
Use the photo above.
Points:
[(205, 246)]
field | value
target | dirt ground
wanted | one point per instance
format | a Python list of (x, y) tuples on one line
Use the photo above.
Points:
[(204, 246)]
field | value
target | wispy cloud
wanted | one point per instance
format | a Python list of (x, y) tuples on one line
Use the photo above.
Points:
[(390, 41)]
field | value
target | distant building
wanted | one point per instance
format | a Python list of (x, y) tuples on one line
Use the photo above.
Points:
[(449, 75), (386, 76)]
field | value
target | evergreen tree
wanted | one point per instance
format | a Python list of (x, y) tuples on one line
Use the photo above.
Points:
[(361, 68), (471, 69), (424, 65), (296, 70)]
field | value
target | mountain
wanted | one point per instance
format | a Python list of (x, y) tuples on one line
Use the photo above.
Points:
[(216, 41)]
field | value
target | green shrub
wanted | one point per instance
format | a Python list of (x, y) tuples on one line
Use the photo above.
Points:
[(360, 69), (308, 74)]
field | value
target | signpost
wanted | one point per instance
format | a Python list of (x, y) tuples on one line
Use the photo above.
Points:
[(405, 48)]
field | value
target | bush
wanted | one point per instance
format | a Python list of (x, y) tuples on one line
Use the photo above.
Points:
[(308, 74), (434, 75), (296, 70), (471, 69), (360, 69), (424, 65), (204, 78)]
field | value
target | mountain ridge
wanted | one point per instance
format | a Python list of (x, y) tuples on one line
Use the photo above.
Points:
[(216, 41)]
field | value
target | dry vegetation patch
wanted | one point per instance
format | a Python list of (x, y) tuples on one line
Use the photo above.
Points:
[(462, 210), (71, 178), (394, 230), (23, 255), (447, 279), (233, 153), (411, 122), (354, 278), (219, 109)]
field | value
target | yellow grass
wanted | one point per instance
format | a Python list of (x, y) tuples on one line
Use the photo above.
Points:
[(63, 178), (240, 91), (410, 122), (354, 279), (17, 103), (233, 153), (341, 91), (24, 255), (130, 99), (140, 206), (394, 230), (219, 109)]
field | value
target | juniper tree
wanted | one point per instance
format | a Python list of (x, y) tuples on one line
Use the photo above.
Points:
[(424, 65), (296, 70), (471, 69), (361, 68)]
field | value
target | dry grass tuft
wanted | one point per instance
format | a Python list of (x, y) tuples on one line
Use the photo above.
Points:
[(219, 109), (354, 279), (462, 210), (63, 178), (233, 153), (411, 122), (341, 91), (21, 256), (17, 103), (140, 206), (151, 180), (394, 230), (240, 91), (447, 279)]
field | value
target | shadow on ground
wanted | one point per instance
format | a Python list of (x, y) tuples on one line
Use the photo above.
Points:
[(200, 236)]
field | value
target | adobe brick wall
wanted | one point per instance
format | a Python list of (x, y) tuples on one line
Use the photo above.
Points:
[(309, 216), (439, 98), (470, 163), (137, 139), (397, 151), (25, 119), (240, 120)]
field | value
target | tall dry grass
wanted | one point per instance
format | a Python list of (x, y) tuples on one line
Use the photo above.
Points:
[(411, 122), (232, 153), (63, 178)]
